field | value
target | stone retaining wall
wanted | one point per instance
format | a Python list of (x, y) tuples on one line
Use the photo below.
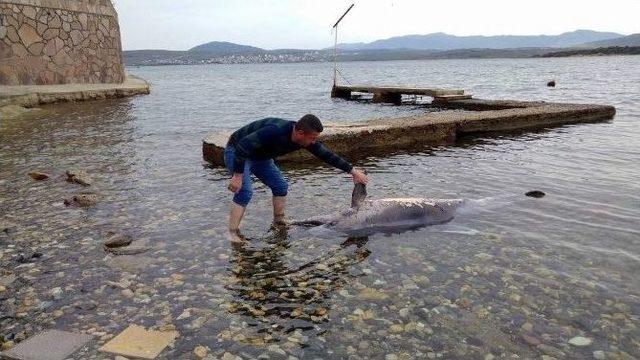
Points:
[(44, 42)]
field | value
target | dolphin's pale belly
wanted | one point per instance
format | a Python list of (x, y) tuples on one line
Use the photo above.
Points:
[(396, 215)]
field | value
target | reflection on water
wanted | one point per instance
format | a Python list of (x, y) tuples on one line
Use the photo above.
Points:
[(281, 298), (526, 276)]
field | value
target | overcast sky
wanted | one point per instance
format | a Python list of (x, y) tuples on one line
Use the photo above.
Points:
[(306, 24)]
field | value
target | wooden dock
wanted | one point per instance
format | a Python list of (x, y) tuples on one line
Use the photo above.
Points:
[(391, 94)]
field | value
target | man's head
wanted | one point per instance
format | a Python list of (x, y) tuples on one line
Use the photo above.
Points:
[(307, 130)]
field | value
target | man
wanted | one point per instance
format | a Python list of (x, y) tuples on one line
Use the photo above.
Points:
[(252, 148)]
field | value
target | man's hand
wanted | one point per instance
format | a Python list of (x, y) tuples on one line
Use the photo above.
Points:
[(235, 183), (359, 177)]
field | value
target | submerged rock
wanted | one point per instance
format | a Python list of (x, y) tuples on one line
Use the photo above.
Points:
[(200, 352), (128, 250), (531, 340), (82, 199), (78, 177), (27, 257), (39, 176), (56, 293), (14, 111), (372, 294), (580, 341), (118, 240), (535, 194)]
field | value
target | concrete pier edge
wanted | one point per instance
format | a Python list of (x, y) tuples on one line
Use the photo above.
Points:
[(29, 96), (461, 118)]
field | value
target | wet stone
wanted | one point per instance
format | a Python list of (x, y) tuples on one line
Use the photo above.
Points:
[(372, 294), (475, 341), (78, 177), (128, 250), (118, 240), (28, 257), (580, 341), (56, 293), (48, 345), (531, 340), (551, 351), (200, 352), (136, 341), (39, 176), (82, 200)]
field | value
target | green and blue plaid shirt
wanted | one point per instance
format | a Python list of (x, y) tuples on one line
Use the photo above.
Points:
[(271, 137)]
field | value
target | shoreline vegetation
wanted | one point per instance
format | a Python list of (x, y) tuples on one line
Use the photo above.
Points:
[(168, 57), (601, 51)]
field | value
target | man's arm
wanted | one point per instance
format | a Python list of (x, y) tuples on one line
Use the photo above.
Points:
[(326, 155), (246, 146)]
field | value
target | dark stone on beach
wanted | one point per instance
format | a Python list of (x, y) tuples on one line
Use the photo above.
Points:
[(535, 194), (39, 176), (118, 240), (551, 83), (78, 177)]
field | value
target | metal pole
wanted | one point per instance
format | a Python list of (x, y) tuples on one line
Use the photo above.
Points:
[(335, 45), (335, 57)]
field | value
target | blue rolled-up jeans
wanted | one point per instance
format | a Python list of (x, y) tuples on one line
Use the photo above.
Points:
[(265, 170)]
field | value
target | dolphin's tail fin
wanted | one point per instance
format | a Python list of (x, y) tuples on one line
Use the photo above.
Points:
[(358, 195)]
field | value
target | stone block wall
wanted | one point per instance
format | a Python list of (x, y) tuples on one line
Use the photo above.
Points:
[(59, 41)]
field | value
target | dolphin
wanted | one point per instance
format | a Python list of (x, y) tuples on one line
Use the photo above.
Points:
[(392, 215)]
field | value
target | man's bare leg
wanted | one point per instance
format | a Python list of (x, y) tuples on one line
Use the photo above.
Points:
[(235, 217), (279, 203)]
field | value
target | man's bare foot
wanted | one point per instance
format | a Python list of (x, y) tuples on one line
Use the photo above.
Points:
[(235, 237)]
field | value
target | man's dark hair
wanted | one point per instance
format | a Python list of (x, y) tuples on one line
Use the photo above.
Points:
[(309, 123)]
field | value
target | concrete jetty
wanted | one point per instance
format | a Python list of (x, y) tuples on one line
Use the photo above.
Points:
[(33, 95), (459, 118)]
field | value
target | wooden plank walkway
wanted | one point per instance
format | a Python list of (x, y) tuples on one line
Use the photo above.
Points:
[(393, 94)]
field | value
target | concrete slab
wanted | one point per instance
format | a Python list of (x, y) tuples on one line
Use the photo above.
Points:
[(138, 342), (32, 95), (47, 345), (380, 137)]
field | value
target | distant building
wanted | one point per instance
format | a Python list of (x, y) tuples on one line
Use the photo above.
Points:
[(59, 42)]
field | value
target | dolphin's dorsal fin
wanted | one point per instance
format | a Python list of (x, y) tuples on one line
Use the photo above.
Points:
[(358, 195)]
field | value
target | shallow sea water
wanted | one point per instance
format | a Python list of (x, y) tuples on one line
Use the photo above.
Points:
[(513, 276)]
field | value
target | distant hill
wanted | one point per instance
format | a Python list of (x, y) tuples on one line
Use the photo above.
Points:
[(442, 41), (630, 40), (223, 47), (411, 47)]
